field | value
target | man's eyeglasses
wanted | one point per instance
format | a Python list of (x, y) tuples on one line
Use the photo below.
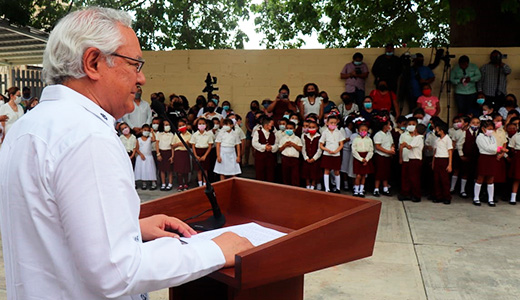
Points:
[(139, 62)]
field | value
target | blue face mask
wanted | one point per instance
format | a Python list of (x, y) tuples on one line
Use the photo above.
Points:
[(481, 101), (368, 105), (286, 117), (389, 53), (358, 63), (289, 132), (215, 101), (282, 127), (225, 107), (474, 128), (403, 128)]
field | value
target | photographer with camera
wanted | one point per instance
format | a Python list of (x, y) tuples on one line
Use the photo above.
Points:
[(465, 76), (494, 79), (419, 75), (355, 73), (388, 67), (281, 104)]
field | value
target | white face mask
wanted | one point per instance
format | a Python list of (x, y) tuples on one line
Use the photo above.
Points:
[(216, 126), (18, 100), (410, 128), (2, 102), (419, 121), (226, 128), (167, 128), (295, 122), (146, 133), (155, 126)]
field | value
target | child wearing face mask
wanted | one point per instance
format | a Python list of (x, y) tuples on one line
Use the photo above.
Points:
[(514, 144), (181, 158), (295, 119), (415, 148), (428, 102), (311, 153), (487, 161), (468, 152), (487, 112), (384, 150), (500, 177), (347, 159), (129, 141), (442, 163), (290, 147), (154, 129), (228, 151), (406, 139), (362, 151), (164, 150), (265, 144), (201, 142), (145, 165), (331, 142)]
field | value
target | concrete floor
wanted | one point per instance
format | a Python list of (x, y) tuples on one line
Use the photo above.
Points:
[(423, 251)]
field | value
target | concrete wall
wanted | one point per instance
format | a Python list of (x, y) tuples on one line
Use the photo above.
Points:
[(245, 75)]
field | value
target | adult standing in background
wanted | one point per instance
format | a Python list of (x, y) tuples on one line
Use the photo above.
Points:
[(388, 67), (142, 113), (465, 76), (493, 82), (311, 103), (355, 74), (76, 235), (419, 75), (281, 104), (12, 109)]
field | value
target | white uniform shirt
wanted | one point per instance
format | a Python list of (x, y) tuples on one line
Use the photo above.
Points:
[(442, 147), (429, 142), (227, 139), (405, 138), (259, 147), (331, 140), (202, 140), (318, 153), (501, 136), (290, 151), (417, 144), (129, 142), (361, 144), (186, 136), (514, 141), (141, 115), (165, 140), (71, 229), (487, 144), (385, 140), (238, 131), (11, 114)]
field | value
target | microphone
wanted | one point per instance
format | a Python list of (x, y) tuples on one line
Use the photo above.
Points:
[(217, 220)]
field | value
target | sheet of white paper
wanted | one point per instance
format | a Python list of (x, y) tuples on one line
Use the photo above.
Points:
[(255, 233)]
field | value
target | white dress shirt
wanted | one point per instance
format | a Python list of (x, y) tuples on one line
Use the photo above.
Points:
[(13, 116), (442, 147), (405, 138), (129, 142), (417, 144), (385, 140), (290, 151), (202, 140), (318, 153), (141, 115), (260, 147), (71, 229), (362, 144), (331, 140), (227, 139), (514, 141), (487, 144)]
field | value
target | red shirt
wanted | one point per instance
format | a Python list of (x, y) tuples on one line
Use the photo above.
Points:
[(382, 102)]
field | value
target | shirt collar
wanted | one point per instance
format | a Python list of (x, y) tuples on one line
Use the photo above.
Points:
[(60, 92)]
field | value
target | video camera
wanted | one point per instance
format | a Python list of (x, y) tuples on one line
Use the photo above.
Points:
[(210, 81)]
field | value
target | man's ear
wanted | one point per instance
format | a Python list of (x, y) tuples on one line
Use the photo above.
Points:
[(91, 63)]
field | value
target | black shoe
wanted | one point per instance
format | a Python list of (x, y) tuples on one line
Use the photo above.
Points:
[(153, 186), (447, 202), (463, 195), (346, 188), (415, 199), (355, 194), (163, 187), (492, 204), (144, 187), (362, 194), (376, 194), (477, 202), (387, 193), (335, 191), (435, 200), (512, 202), (404, 198), (453, 192)]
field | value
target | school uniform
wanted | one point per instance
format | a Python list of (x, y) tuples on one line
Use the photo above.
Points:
[(290, 160), (514, 144), (145, 169), (129, 143), (363, 148), (165, 140), (202, 142), (487, 160), (501, 170), (331, 140), (311, 149), (181, 157), (467, 147), (405, 184), (455, 135), (414, 166), (265, 161), (441, 161), (383, 161), (228, 154), (426, 171), (347, 160)]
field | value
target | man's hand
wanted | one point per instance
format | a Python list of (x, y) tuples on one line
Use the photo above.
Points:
[(231, 244), (155, 227)]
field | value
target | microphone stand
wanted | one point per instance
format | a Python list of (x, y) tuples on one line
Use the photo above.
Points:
[(217, 220)]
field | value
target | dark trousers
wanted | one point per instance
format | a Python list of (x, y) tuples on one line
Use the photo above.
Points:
[(265, 163), (405, 177), (467, 104), (441, 179), (291, 170), (358, 97), (497, 101), (414, 173)]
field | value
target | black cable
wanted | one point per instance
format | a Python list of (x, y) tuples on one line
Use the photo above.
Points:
[(197, 215)]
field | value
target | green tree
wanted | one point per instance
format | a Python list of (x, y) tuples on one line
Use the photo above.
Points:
[(159, 24)]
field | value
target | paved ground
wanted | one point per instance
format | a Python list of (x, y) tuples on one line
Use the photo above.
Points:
[(423, 251)]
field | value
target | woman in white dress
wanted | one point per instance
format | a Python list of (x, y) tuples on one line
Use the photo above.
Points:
[(311, 103), (12, 109), (145, 165)]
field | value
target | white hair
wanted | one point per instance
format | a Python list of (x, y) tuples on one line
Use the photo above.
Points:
[(92, 27)]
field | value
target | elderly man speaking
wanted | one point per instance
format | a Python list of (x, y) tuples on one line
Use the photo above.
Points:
[(69, 210)]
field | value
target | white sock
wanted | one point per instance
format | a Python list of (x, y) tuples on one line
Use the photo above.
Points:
[(361, 188), (338, 181), (376, 190), (463, 185), (477, 191), (311, 187), (453, 182), (326, 182), (513, 197), (356, 189), (318, 186), (200, 183), (491, 192), (385, 189), (308, 187)]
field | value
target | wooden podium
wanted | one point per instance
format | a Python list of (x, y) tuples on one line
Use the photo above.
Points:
[(324, 230)]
